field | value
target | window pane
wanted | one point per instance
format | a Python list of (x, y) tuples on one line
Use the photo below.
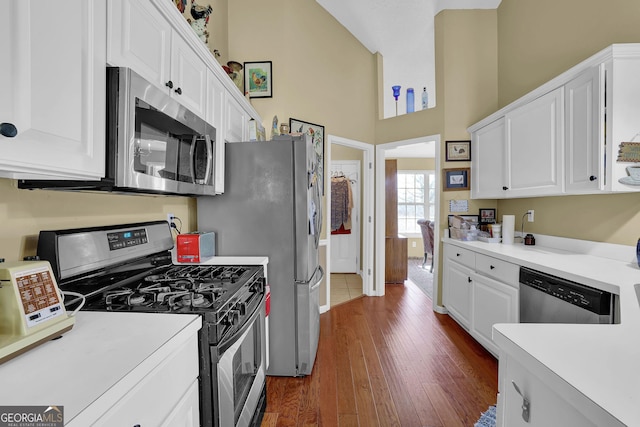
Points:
[(402, 196), (410, 196)]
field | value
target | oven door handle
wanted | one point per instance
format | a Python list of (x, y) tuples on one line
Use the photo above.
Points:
[(229, 341)]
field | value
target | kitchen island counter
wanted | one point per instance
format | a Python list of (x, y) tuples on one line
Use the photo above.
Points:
[(599, 361), (96, 363)]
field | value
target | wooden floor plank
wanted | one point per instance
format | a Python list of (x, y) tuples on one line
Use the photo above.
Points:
[(388, 361)]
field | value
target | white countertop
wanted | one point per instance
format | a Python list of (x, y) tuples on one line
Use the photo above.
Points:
[(226, 260), (90, 362), (601, 361)]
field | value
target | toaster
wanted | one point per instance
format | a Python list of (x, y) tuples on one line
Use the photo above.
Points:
[(195, 247)]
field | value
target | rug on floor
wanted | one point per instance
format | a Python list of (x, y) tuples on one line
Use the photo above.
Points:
[(488, 418), (421, 277)]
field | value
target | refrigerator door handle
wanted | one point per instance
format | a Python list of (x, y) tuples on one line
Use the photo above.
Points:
[(314, 282)]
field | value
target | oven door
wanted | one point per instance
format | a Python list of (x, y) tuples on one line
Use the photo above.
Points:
[(241, 372)]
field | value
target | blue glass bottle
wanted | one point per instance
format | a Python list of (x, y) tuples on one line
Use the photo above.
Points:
[(411, 103)]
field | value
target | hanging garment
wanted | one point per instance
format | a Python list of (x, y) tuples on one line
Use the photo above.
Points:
[(341, 205)]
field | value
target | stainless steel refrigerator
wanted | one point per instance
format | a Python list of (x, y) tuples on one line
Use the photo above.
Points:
[(272, 207)]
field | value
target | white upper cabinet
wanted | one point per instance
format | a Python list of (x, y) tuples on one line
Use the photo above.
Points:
[(584, 131), (565, 136), (216, 102), (534, 147), (488, 151), (52, 82), (141, 38)]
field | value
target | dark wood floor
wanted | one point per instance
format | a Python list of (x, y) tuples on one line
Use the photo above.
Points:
[(388, 361)]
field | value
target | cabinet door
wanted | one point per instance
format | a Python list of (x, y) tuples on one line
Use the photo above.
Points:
[(237, 120), (547, 406), (216, 100), (534, 147), (139, 37), (488, 161), (584, 133), (189, 76), (458, 290), (187, 411), (493, 302), (52, 82)]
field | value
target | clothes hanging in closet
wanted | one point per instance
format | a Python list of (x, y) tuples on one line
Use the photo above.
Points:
[(341, 205)]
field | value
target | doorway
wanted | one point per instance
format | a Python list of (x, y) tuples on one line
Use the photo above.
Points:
[(428, 146), (357, 249), (345, 242)]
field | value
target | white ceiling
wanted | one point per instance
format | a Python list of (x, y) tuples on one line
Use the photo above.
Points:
[(402, 32), (386, 25)]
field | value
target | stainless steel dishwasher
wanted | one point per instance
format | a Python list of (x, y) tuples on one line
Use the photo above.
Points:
[(549, 299)]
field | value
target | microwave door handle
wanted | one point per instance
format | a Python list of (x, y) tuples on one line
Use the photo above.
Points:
[(192, 154), (210, 157), (193, 151)]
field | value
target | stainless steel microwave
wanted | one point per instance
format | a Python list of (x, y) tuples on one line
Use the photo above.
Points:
[(154, 144)]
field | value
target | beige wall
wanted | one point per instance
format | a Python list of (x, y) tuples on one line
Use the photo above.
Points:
[(528, 57), (24, 213), (321, 73)]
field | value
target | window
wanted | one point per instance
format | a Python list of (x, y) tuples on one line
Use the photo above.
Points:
[(416, 199)]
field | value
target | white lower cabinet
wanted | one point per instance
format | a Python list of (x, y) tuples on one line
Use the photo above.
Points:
[(187, 411), (479, 291), (457, 296), (493, 302), (157, 397), (551, 401), (458, 292)]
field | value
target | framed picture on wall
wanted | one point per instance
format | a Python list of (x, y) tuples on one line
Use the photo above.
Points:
[(458, 151), (455, 179), (317, 136), (258, 79), (487, 216)]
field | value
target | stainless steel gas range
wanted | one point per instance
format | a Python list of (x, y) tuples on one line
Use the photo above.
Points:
[(129, 268)]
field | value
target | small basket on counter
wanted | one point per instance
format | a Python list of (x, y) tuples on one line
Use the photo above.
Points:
[(463, 228)]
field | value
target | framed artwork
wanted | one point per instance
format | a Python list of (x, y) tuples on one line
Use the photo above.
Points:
[(258, 79), (487, 216), (317, 136), (458, 151), (455, 179)]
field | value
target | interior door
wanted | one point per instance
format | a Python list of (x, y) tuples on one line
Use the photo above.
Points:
[(345, 248)]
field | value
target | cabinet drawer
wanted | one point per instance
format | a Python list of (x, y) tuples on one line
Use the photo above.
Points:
[(460, 255), (503, 271)]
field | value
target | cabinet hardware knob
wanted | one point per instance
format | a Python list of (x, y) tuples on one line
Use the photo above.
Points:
[(505, 188), (169, 84), (525, 403), (491, 267), (457, 254), (178, 91), (593, 178), (8, 129), (469, 280)]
